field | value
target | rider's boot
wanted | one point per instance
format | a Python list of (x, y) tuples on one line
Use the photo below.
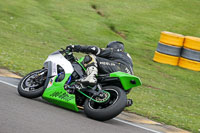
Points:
[(90, 79)]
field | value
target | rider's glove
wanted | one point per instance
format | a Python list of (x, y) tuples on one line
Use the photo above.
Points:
[(70, 48)]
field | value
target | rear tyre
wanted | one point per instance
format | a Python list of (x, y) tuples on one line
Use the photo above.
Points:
[(110, 108), (32, 85)]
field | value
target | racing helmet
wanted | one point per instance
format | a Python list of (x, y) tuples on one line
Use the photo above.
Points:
[(119, 46)]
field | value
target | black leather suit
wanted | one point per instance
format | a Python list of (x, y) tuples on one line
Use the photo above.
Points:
[(108, 60)]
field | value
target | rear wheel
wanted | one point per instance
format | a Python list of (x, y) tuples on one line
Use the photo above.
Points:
[(32, 85), (108, 109)]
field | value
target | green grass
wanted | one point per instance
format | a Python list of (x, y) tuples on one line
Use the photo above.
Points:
[(31, 29)]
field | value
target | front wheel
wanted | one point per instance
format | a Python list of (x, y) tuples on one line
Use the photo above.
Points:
[(108, 109), (32, 85)]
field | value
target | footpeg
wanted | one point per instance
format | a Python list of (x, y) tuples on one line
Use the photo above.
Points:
[(71, 89), (129, 102)]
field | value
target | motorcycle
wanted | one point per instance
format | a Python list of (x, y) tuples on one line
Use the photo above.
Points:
[(57, 83)]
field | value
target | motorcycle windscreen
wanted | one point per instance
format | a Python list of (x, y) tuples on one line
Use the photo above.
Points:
[(56, 94)]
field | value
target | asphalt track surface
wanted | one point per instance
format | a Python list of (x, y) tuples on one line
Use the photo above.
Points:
[(23, 115)]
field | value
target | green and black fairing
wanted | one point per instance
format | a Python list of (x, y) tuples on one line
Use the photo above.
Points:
[(57, 83), (57, 94)]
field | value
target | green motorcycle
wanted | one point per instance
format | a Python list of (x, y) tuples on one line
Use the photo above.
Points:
[(56, 83)]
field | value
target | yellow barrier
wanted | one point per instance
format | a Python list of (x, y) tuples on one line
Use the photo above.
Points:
[(189, 64), (170, 51), (170, 38), (166, 59), (192, 43)]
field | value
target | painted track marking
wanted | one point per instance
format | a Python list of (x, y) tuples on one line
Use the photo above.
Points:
[(135, 125), (8, 83)]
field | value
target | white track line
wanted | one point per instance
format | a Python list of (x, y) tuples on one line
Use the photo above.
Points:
[(132, 124), (8, 83), (123, 121)]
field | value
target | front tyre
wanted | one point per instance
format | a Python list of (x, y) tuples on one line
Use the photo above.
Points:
[(109, 109), (32, 85)]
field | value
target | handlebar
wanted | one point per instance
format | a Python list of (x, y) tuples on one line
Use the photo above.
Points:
[(67, 54), (64, 51)]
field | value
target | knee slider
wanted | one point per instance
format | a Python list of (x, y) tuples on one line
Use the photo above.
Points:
[(90, 60), (87, 59)]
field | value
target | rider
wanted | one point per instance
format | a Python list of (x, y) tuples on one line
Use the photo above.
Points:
[(103, 60)]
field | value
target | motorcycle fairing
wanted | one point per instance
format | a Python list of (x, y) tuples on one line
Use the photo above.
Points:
[(128, 81), (58, 59), (56, 94), (52, 62)]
